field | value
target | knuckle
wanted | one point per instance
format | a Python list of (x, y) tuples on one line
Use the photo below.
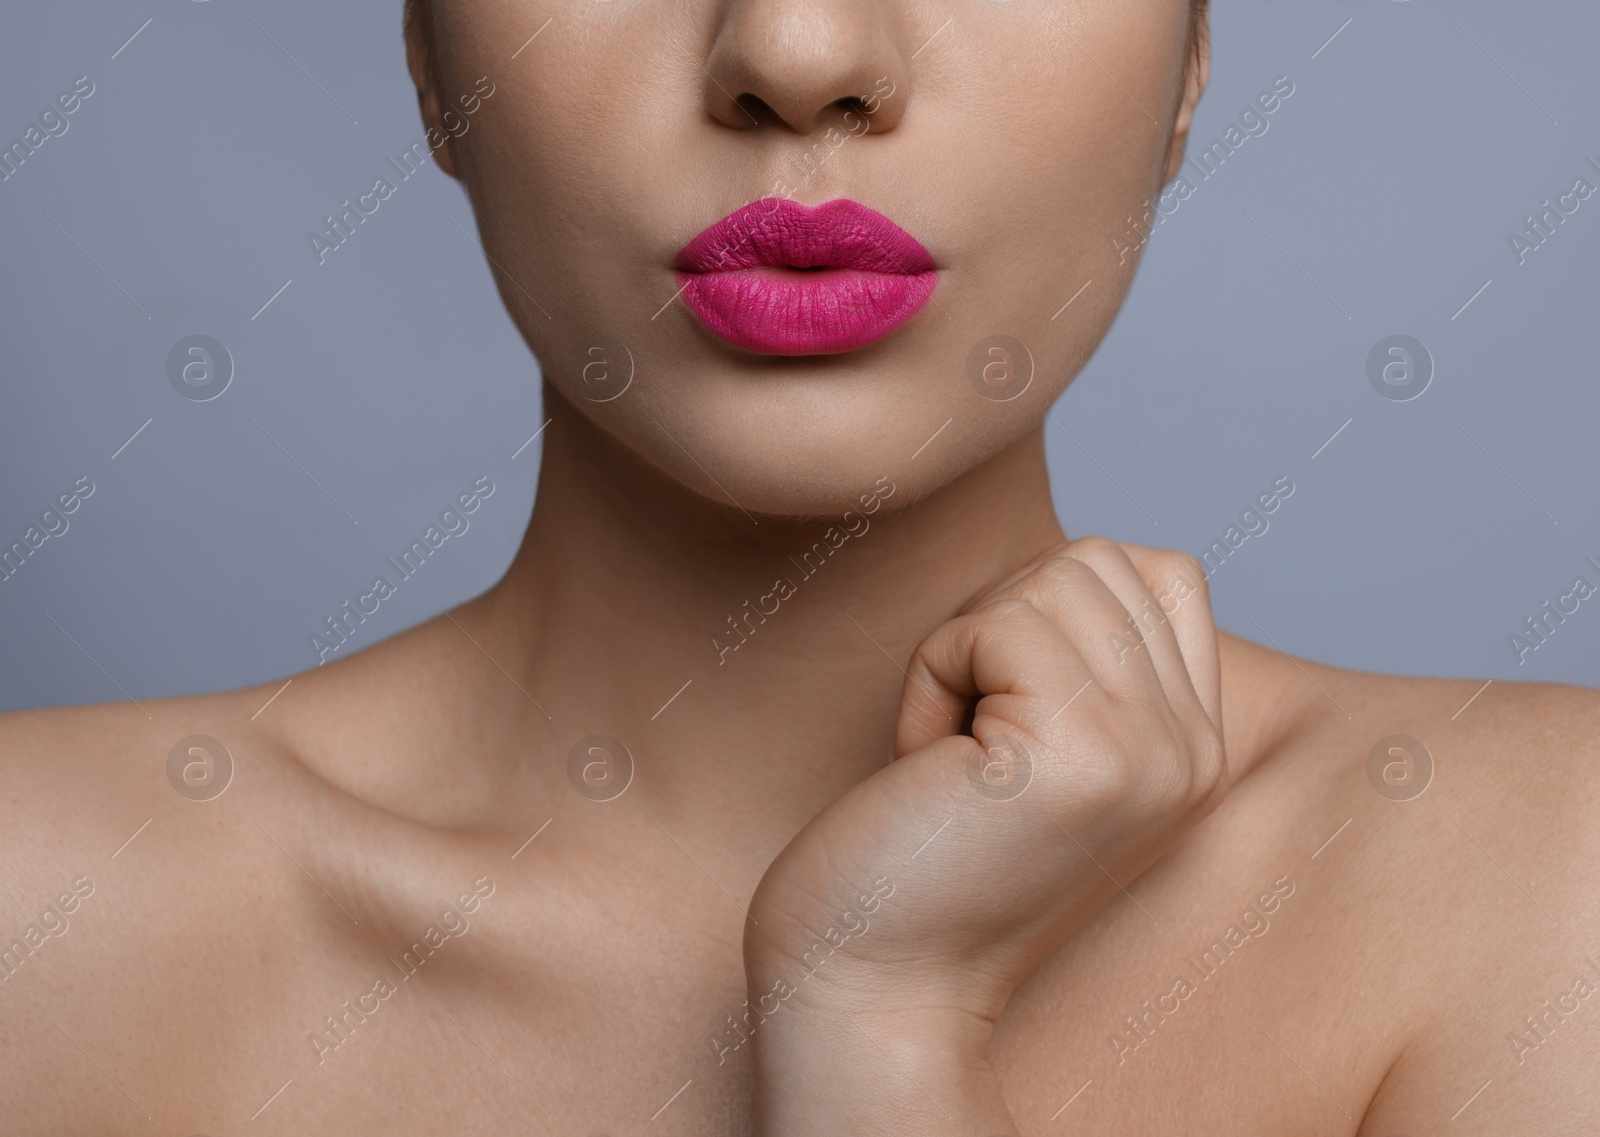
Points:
[(1172, 788), (1198, 766), (1194, 575), (1009, 609), (1105, 780), (1178, 565), (1061, 571), (1005, 622), (1210, 764), (1093, 545), (1179, 580), (923, 661), (1154, 773), (1112, 764)]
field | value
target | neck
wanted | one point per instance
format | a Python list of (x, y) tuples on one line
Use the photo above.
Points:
[(791, 634), (748, 663)]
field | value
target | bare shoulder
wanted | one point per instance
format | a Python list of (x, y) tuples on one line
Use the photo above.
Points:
[(74, 777), (71, 776), (182, 887), (1462, 899), (1518, 761), (109, 861), (59, 768)]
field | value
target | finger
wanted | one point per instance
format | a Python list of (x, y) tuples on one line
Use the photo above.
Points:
[(1149, 632), (1009, 653), (1079, 598), (998, 588), (1175, 583), (1178, 583)]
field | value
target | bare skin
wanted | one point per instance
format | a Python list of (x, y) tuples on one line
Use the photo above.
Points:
[(596, 974), (594, 951)]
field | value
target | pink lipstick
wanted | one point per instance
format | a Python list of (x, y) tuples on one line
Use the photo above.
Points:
[(782, 278)]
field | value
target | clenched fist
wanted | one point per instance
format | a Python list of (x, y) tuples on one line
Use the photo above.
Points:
[(1054, 739)]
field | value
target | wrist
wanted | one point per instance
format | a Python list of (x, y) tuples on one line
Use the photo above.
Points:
[(953, 1008), (874, 1071)]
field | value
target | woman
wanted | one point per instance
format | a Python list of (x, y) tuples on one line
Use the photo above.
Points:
[(800, 776)]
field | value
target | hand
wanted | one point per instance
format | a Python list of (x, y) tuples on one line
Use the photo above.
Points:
[(937, 885)]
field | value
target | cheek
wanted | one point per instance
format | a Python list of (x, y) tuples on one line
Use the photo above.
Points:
[(1070, 149), (579, 177), (1062, 152)]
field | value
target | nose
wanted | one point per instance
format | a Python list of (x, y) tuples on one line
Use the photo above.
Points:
[(805, 63)]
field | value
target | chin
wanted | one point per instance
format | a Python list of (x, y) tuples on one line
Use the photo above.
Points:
[(811, 436)]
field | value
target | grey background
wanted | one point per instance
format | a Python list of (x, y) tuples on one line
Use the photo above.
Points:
[(377, 386)]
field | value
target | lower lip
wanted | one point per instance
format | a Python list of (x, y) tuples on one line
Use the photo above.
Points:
[(775, 310)]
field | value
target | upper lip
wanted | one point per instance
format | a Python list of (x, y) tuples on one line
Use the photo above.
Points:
[(778, 232)]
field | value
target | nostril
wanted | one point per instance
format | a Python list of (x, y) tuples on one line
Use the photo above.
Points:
[(758, 110)]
